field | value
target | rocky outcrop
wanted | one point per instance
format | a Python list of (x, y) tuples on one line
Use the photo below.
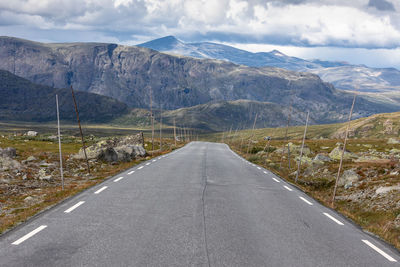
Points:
[(117, 149), (348, 178), (336, 154)]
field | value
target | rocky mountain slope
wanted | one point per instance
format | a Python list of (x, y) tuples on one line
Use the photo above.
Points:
[(22, 100), (237, 114), (341, 74), (129, 74)]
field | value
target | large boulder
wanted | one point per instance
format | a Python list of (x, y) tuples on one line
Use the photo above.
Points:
[(348, 178), (7, 163), (8, 152), (322, 158), (117, 149), (336, 154), (32, 133)]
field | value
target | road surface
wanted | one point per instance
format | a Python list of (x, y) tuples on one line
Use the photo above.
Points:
[(201, 205)]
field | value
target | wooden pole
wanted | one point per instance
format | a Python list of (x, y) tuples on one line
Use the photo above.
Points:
[(80, 130), (286, 138), (252, 133), (344, 148), (302, 147), (160, 128), (152, 119), (174, 132), (59, 145)]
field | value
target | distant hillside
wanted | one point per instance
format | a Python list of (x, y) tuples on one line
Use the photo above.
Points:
[(22, 100), (238, 114), (129, 74), (341, 74)]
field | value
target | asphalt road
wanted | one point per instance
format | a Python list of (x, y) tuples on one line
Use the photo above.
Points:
[(201, 205)]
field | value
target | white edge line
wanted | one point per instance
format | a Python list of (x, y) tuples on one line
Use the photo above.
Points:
[(305, 200), (384, 254), (141, 167), (101, 189), (74, 206), (333, 219), (131, 172), (288, 188), (29, 235), (118, 179), (276, 180)]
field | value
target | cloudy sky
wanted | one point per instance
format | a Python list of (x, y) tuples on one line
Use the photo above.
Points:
[(357, 31)]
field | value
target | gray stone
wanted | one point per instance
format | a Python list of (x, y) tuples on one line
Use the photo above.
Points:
[(386, 189), (322, 157), (7, 163), (30, 159), (29, 199), (108, 155), (8, 152), (32, 133), (336, 154), (349, 177), (392, 141)]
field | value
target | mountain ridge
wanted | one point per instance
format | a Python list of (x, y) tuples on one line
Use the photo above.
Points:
[(342, 75)]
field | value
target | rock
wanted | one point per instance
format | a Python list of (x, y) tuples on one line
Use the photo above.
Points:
[(394, 151), (42, 175), (322, 157), (368, 159), (388, 125), (8, 152), (348, 178), (29, 199), (386, 189), (394, 173), (7, 163), (304, 160), (108, 155), (396, 221), (367, 145), (30, 159), (31, 133), (113, 150), (336, 153), (392, 141)]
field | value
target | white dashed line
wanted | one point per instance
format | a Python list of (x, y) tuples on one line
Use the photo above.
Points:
[(305, 200), (147, 164), (154, 160), (25, 237), (131, 172), (141, 167), (379, 251), (333, 219), (265, 172), (74, 206), (276, 180), (101, 189), (259, 168), (118, 179), (288, 188)]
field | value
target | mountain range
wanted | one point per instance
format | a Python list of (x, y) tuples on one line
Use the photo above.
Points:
[(137, 76), (342, 75)]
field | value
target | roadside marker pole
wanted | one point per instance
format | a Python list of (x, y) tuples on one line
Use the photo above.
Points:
[(174, 132), (344, 148), (152, 120), (302, 147), (160, 128), (59, 145), (252, 133), (80, 130)]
